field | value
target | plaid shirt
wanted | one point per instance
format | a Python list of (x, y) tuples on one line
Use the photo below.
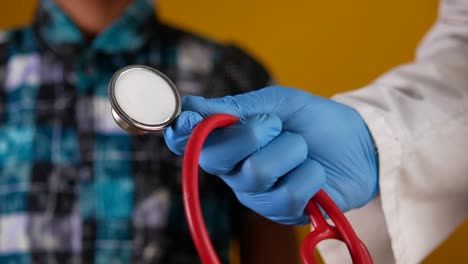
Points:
[(74, 188)]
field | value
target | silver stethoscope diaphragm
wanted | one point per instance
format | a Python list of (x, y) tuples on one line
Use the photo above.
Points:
[(143, 99)]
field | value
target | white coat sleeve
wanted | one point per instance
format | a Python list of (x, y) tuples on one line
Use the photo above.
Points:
[(418, 116)]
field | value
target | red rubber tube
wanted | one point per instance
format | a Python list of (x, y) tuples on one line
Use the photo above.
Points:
[(342, 230), (191, 197), (322, 230)]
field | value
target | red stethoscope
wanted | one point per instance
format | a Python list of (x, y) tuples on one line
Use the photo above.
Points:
[(144, 100)]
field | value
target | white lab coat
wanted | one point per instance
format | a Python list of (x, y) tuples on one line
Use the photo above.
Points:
[(418, 116)]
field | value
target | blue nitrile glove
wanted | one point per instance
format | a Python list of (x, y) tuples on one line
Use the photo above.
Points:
[(287, 146)]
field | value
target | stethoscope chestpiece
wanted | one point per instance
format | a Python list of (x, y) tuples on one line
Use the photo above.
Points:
[(143, 99)]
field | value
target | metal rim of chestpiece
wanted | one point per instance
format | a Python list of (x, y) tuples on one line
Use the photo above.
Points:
[(125, 121)]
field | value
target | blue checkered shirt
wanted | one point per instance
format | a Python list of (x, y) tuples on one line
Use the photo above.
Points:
[(74, 188)]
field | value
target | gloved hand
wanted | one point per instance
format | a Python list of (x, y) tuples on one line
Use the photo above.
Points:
[(287, 146)]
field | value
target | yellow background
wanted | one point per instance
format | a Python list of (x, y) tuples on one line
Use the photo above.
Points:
[(323, 47)]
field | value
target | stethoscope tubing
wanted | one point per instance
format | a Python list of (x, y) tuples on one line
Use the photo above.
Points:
[(322, 230), (191, 197)]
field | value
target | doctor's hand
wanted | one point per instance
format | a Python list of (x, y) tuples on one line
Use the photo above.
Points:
[(287, 146)]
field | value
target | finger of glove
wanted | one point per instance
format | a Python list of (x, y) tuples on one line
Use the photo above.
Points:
[(286, 201), (261, 170), (243, 105), (226, 147), (177, 135)]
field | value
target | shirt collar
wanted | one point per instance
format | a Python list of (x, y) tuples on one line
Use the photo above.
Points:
[(128, 33)]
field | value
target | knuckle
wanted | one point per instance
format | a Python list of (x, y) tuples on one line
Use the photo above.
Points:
[(251, 134), (298, 143), (257, 176), (290, 204), (211, 165), (260, 130)]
